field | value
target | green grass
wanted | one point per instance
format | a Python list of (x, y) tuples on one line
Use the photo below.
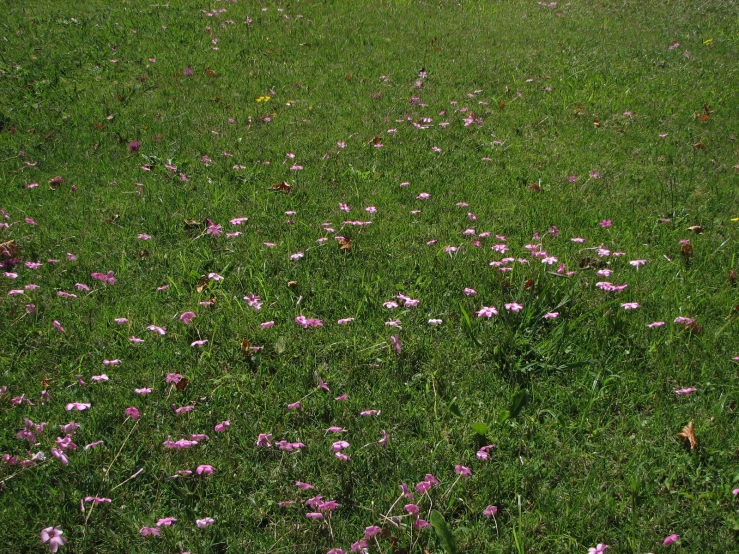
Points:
[(592, 457)]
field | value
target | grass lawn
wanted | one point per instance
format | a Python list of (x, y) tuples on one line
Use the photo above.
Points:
[(402, 276)]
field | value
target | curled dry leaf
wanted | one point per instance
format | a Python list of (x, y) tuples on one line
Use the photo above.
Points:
[(182, 383), (292, 284), (687, 251), (697, 229), (345, 244), (202, 283), (8, 249), (281, 187), (688, 434), (245, 348)]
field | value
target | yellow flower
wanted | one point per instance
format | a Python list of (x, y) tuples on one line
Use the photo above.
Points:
[(263, 99)]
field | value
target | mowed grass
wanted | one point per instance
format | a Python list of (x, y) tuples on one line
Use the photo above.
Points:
[(544, 120)]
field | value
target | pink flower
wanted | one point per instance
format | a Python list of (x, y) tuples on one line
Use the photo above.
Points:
[(345, 321), (684, 320), (686, 391), (372, 531), (490, 511), (203, 523), (487, 311), (205, 469), (396, 344), (462, 471), (79, 406), (173, 378), (263, 440), (157, 329), (187, 317), (199, 343), (360, 547), (60, 455), (421, 524), (297, 256), (370, 412), (551, 315), (605, 223), (423, 487), (423, 196), (630, 305), (120, 320), (599, 549), (58, 326), (97, 500), (338, 446), (514, 307), (469, 292), (669, 540), (637, 263), (150, 531), (99, 378), (166, 521), (142, 392), (412, 509), (132, 412), (435, 322), (482, 454), (182, 409), (53, 535), (314, 515)]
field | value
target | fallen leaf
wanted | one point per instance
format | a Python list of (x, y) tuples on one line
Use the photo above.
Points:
[(9, 249), (245, 348), (292, 284), (182, 383), (687, 251), (688, 434), (281, 187), (697, 229), (702, 117), (596, 123), (502, 105), (202, 283), (376, 140), (345, 244)]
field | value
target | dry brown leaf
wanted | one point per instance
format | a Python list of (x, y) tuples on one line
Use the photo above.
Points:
[(702, 116), (688, 434), (281, 187), (202, 283), (345, 244), (596, 123), (245, 348), (697, 229), (292, 284), (182, 383), (376, 140), (9, 249), (687, 251), (502, 105)]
